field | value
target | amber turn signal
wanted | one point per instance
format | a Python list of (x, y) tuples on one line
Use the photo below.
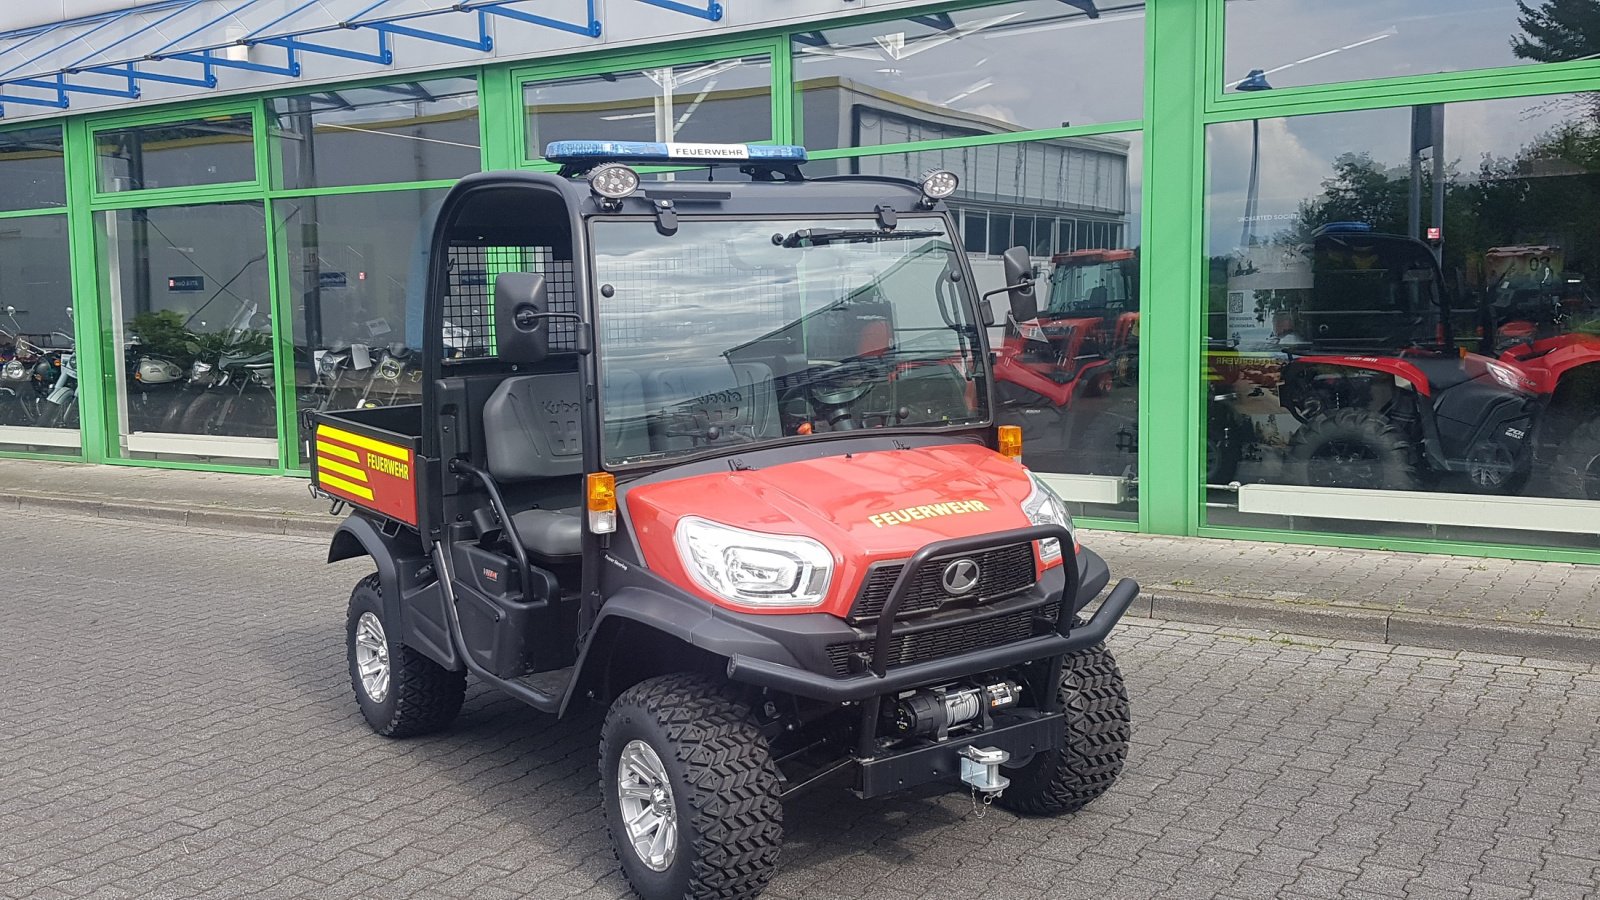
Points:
[(601, 490), (1010, 443)]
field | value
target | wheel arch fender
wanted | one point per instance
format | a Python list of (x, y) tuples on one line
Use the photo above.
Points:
[(357, 536), (641, 633)]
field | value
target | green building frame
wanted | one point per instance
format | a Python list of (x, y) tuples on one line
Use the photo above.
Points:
[(1183, 94)]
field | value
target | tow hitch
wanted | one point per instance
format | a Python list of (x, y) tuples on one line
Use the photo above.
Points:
[(980, 770)]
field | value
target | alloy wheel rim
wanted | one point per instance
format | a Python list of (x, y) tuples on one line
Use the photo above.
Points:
[(372, 657), (649, 813)]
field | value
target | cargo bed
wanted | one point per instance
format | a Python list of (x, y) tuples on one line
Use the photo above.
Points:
[(367, 457)]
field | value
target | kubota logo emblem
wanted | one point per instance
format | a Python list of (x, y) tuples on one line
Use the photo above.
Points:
[(960, 577)]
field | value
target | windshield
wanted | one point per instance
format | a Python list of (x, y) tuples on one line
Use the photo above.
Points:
[(731, 332)]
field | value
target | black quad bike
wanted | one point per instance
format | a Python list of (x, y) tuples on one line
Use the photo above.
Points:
[(1390, 398), (720, 456)]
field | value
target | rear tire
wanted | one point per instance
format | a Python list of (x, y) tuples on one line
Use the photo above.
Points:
[(694, 748), (1353, 448), (418, 695), (1099, 726), (1578, 462)]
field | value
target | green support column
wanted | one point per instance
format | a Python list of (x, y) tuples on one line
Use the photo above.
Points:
[(1174, 181), (96, 380), (501, 119)]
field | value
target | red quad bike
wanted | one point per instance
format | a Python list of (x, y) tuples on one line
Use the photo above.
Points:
[(720, 458), (1411, 407)]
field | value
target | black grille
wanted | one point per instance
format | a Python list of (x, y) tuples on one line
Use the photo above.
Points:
[(1002, 572), (938, 643)]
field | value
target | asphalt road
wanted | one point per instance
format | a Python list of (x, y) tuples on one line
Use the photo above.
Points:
[(176, 721)]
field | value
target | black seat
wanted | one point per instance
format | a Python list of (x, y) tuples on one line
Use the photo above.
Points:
[(533, 435)]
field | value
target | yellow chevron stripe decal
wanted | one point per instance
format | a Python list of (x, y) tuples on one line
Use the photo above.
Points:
[(365, 443), (361, 491), (336, 450), (351, 472)]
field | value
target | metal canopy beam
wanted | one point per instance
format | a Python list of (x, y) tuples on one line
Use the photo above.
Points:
[(284, 25)]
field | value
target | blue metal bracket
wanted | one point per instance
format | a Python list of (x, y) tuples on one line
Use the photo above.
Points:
[(501, 8), (483, 44), (209, 59), (62, 87), (61, 102), (134, 74), (384, 56), (712, 12)]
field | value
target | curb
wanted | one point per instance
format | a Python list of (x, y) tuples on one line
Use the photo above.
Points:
[(213, 518), (1331, 620), (1360, 624)]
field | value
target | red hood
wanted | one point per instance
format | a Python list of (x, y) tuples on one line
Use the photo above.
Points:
[(865, 507)]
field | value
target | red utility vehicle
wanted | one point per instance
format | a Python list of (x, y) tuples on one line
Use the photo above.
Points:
[(719, 457)]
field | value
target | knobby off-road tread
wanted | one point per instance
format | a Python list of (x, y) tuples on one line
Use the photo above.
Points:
[(1397, 463), (1099, 727), (737, 818), (1573, 459), (427, 697)]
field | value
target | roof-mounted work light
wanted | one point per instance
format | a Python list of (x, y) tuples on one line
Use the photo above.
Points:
[(612, 182), (937, 185)]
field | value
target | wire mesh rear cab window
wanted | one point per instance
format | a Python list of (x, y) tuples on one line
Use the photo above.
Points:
[(504, 230)]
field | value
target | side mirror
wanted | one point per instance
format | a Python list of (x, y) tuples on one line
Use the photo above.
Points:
[(521, 318), (1019, 284)]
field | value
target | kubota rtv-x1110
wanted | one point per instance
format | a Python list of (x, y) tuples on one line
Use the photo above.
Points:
[(719, 455)]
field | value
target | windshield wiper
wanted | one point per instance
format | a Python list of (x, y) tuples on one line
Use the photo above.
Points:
[(816, 237)]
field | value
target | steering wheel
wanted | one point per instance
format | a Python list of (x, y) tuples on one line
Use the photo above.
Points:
[(832, 387)]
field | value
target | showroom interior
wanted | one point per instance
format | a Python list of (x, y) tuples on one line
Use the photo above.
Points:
[(1359, 241)]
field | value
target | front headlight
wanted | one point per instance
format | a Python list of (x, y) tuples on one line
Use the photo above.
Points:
[(15, 370), (750, 568), (1508, 377), (1043, 507)]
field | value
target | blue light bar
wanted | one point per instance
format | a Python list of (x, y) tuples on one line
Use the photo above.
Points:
[(665, 153), (1346, 228)]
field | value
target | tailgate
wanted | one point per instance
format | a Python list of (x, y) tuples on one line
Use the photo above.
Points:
[(370, 467)]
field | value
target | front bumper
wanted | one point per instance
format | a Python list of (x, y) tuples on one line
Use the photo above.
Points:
[(818, 686)]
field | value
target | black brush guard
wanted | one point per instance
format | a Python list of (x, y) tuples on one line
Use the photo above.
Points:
[(869, 688)]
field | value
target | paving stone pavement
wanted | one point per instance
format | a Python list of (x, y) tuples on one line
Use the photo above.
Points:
[(177, 722), (1502, 590)]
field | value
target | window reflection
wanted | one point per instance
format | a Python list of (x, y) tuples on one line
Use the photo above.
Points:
[(213, 150), (38, 405), (355, 277), (1070, 377), (1305, 42), (33, 173), (413, 131), (1012, 67), (1404, 300), (716, 101)]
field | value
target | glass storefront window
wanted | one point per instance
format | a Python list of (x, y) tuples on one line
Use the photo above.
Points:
[(716, 101), (38, 378), (356, 282), (189, 308), (33, 172), (1404, 321), (414, 131), (990, 70), (1070, 377), (213, 150), (1305, 42)]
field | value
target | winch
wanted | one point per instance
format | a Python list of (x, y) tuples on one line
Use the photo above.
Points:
[(932, 713)]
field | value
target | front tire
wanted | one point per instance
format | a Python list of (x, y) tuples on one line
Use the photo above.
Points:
[(691, 793), (1099, 725), (1353, 448), (1578, 462), (402, 693)]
